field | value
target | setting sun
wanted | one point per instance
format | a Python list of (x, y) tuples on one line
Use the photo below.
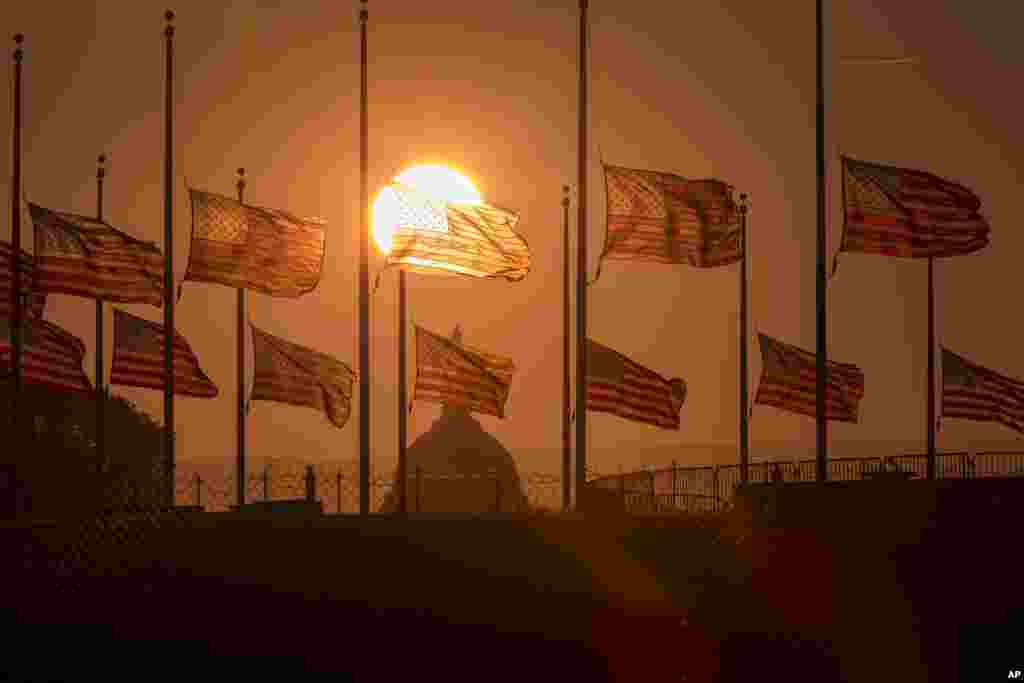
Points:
[(436, 181)]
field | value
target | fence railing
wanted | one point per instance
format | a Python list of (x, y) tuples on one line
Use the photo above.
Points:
[(338, 487), (712, 488)]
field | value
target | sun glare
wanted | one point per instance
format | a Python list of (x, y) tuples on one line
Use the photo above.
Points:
[(434, 180)]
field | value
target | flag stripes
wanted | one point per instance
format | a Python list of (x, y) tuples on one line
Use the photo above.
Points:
[(139, 359), (36, 299), (249, 247), (973, 392), (908, 213), (664, 218), (82, 256), (288, 373), (51, 356), (476, 240), (456, 374), (622, 387), (789, 382)]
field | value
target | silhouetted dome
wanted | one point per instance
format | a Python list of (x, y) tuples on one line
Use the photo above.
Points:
[(459, 463)]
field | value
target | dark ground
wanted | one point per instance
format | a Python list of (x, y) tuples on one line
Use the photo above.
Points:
[(588, 600)]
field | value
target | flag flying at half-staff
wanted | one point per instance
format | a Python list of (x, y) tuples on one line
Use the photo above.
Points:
[(788, 382), (453, 373), (904, 212), (86, 257), (288, 373), (620, 386), (972, 392), (36, 299), (139, 358), (665, 218), (477, 240), (248, 247), (51, 355)]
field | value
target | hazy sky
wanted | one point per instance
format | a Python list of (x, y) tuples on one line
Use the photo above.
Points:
[(720, 88)]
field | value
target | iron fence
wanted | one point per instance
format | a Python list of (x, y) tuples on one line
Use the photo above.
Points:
[(712, 488)]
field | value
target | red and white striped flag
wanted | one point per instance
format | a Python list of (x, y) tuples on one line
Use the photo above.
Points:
[(139, 358), (789, 382), (908, 213), (452, 373), (620, 386), (288, 373), (664, 218), (36, 299), (50, 355), (477, 240), (249, 247), (82, 256), (972, 392)]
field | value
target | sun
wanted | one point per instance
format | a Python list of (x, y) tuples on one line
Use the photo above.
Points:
[(434, 180)]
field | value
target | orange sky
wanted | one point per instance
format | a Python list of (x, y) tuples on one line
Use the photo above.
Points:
[(717, 88)]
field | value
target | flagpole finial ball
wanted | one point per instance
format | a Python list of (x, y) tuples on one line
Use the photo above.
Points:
[(19, 38), (241, 171), (169, 15), (102, 159)]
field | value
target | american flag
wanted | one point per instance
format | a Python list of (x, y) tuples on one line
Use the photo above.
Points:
[(248, 247), (36, 300), (477, 240), (82, 256), (664, 218), (452, 373), (288, 373), (51, 356), (620, 386), (789, 382), (972, 392), (139, 358), (913, 214)]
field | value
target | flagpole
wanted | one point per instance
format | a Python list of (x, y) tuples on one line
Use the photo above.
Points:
[(16, 235), (169, 257), (821, 288), (101, 440), (581, 270), (402, 400), (566, 336), (240, 337), (931, 368), (364, 283), (744, 425)]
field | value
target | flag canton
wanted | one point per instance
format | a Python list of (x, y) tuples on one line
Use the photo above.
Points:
[(604, 364), (221, 219), (136, 335), (634, 193), (956, 372), (417, 212), (55, 235)]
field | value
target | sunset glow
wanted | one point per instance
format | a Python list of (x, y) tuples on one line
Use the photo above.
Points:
[(437, 181)]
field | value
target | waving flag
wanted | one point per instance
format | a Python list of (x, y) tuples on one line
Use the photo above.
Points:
[(664, 218), (139, 358), (620, 386), (36, 299), (477, 240), (452, 373), (788, 382), (288, 373), (85, 257), (248, 247), (51, 356), (972, 392), (903, 212)]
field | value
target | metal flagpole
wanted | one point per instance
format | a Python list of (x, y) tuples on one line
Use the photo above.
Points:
[(744, 410), (403, 411), (931, 368), (16, 237), (364, 283), (169, 257), (581, 271), (101, 406), (240, 336), (821, 280), (566, 340)]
